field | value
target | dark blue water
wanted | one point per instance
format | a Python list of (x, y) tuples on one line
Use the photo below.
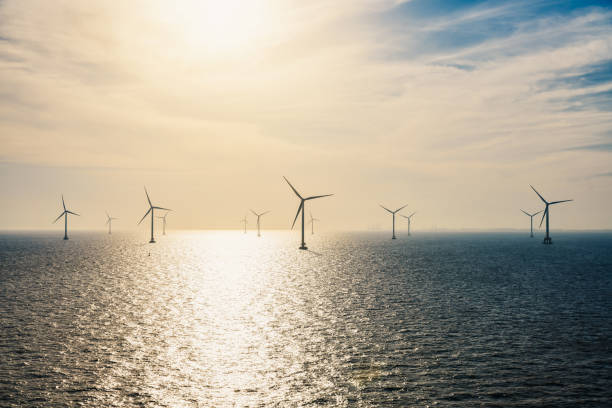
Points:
[(225, 319)]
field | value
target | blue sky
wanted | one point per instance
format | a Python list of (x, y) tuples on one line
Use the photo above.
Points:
[(375, 100)]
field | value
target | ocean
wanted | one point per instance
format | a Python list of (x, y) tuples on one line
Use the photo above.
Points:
[(224, 319)]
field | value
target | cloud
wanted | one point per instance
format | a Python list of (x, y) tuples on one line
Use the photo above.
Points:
[(404, 90), (602, 147)]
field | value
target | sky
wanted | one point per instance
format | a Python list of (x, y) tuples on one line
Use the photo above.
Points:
[(450, 107)]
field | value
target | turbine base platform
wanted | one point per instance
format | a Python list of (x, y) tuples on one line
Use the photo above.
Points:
[(152, 241), (65, 238), (547, 241), (393, 238), (303, 247)]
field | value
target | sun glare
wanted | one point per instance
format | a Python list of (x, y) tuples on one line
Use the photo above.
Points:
[(221, 27)]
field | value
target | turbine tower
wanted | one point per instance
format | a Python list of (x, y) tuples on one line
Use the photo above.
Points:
[(547, 239), (164, 222), (244, 221), (409, 219), (301, 208), (531, 219), (109, 220), (311, 222), (151, 210), (258, 216), (393, 212), (65, 215)]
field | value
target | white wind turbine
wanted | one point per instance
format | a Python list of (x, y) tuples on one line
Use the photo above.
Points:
[(65, 215), (109, 220), (258, 217), (301, 208), (151, 210), (393, 213), (531, 219), (163, 222), (244, 221), (312, 222), (547, 239), (409, 219)]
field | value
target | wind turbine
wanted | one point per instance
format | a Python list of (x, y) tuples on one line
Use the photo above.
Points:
[(109, 222), (409, 219), (547, 239), (258, 216), (393, 212), (244, 221), (531, 219), (151, 210), (164, 222), (301, 208), (311, 222), (65, 215)]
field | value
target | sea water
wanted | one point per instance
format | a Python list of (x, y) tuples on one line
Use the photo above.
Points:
[(224, 319)]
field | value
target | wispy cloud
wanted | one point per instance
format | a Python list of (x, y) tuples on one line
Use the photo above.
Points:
[(468, 91)]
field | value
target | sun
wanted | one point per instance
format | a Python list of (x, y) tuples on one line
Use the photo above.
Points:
[(222, 27)]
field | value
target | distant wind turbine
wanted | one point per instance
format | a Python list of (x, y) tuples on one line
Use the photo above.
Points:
[(109, 220), (164, 222), (409, 218), (258, 216), (65, 215), (393, 212), (531, 219), (547, 239), (244, 221), (301, 208), (312, 222), (151, 210)]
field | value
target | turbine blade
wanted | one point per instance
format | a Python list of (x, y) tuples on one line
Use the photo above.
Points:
[(144, 216), (293, 188), (60, 216), (319, 196), (401, 208), (543, 215), (386, 208), (562, 201), (264, 213), (162, 208), (257, 215), (536, 213), (70, 212), (63, 204), (107, 216), (410, 216), (402, 215), (526, 213), (298, 213), (539, 195), (148, 199), (107, 221)]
